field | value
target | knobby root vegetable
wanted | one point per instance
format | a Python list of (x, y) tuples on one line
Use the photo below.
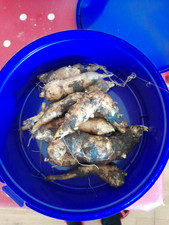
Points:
[(87, 148), (54, 124), (57, 89), (100, 85), (69, 71), (77, 114), (85, 108), (61, 73), (97, 126), (66, 160), (57, 109), (109, 110), (111, 174), (29, 123), (47, 131)]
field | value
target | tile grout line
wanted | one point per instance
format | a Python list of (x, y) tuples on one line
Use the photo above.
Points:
[(154, 217)]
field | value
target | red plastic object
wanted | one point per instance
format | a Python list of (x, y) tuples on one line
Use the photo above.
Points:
[(166, 77), (5, 201), (22, 22)]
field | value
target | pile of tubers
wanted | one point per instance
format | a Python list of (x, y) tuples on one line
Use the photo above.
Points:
[(82, 124)]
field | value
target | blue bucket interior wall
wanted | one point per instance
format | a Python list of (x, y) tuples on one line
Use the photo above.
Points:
[(21, 166)]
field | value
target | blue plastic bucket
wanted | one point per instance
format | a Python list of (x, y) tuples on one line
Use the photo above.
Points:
[(21, 167)]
